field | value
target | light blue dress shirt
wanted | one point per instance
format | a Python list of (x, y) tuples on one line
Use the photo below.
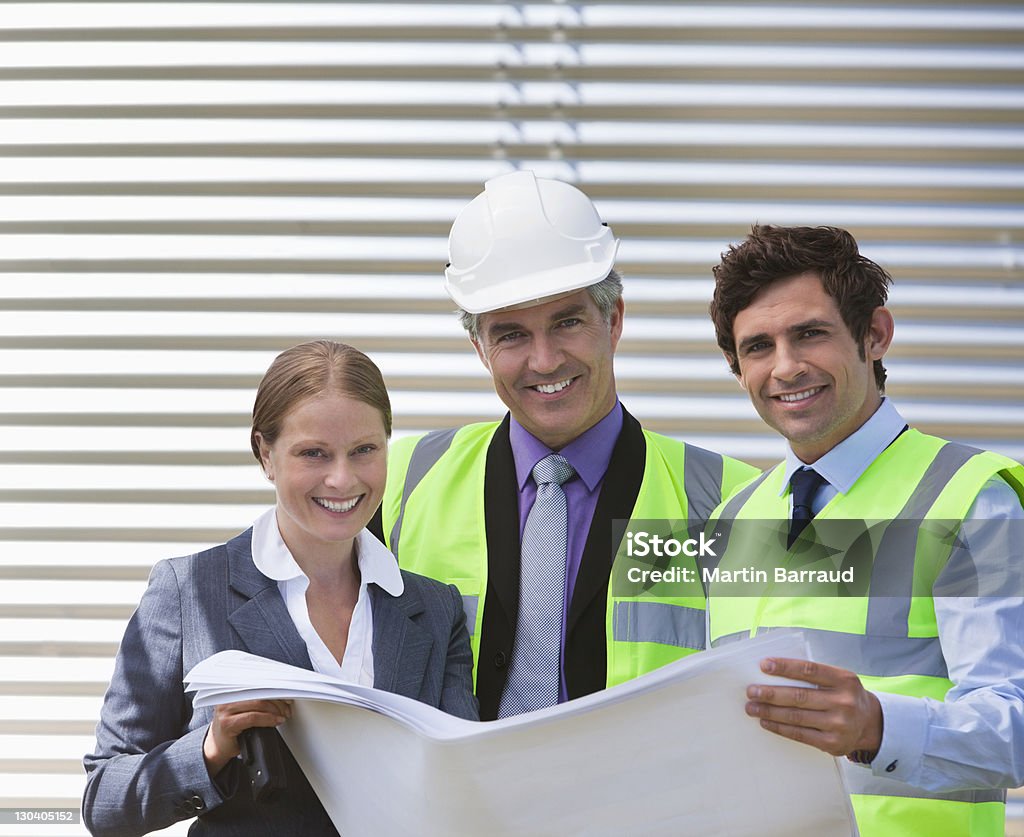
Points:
[(975, 739)]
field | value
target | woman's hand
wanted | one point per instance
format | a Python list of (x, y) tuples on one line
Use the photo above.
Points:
[(232, 719)]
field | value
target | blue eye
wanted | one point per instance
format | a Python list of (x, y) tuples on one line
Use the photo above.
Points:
[(511, 335), (313, 453)]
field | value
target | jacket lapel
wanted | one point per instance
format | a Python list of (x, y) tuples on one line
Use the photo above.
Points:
[(257, 612), (500, 600), (501, 509), (619, 491), (401, 648)]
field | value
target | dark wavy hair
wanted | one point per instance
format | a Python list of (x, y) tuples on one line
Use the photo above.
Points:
[(770, 254)]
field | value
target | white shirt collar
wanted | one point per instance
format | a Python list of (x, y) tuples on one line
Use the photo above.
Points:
[(377, 565), (843, 465), (273, 558)]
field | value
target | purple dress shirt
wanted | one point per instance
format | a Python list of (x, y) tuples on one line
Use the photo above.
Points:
[(589, 454)]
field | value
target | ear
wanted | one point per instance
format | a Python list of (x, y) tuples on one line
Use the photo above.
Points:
[(880, 332), (616, 321), (268, 468), (730, 360)]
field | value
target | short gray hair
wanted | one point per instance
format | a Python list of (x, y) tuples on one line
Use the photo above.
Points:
[(605, 294)]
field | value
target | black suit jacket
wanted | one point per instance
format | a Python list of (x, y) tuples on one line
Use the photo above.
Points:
[(585, 649)]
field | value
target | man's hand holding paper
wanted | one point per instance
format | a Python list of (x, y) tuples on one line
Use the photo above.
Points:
[(840, 716)]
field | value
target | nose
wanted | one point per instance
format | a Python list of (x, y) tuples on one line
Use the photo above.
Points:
[(789, 364), (545, 354), (339, 474)]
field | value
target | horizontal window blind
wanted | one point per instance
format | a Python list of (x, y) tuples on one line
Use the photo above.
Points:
[(188, 188)]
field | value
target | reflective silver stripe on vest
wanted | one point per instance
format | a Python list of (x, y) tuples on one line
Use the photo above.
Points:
[(660, 622), (892, 574), (872, 656), (702, 483), (725, 520), (470, 604), (860, 780), (738, 501), (428, 450)]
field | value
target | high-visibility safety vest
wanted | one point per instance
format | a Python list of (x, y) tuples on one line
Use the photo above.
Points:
[(433, 519), (912, 499)]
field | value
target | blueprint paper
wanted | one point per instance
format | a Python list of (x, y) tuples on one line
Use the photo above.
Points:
[(669, 753)]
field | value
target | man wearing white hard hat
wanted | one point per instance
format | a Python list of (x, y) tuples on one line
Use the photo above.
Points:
[(521, 513)]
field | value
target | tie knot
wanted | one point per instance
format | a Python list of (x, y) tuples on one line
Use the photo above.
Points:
[(552, 469), (804, 484)]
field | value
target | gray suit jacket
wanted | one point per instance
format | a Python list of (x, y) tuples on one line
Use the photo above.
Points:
[(148, 770)]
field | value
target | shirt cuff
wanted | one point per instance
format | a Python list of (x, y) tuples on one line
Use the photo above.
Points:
[(227, 782), (904, 733)]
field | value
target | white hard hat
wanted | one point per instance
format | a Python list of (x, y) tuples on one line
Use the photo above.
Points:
[(522, 239)]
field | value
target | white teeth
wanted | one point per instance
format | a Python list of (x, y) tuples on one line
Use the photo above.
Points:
[(800, 396), (337, 507), (550, 388)]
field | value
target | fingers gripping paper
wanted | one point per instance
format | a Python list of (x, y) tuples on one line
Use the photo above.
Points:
[(669, 753)]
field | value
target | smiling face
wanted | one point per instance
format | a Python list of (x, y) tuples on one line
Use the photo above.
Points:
[(552, 364), (805, 374), (329, 465)]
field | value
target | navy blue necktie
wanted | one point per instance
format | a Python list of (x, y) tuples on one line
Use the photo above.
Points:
[(803, 485)]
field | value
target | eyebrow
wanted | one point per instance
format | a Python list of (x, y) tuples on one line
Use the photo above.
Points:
[(573, 310), (308, 443), (313, 442), (793, 329), (499, 328)]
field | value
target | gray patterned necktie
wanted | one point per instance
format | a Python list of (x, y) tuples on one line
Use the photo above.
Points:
[(535, 669)]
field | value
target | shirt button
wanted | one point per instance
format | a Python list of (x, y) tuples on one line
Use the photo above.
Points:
[(890, 768), (500, 660)]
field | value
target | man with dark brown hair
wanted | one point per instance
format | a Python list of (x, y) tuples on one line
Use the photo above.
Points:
[(921, 681)]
